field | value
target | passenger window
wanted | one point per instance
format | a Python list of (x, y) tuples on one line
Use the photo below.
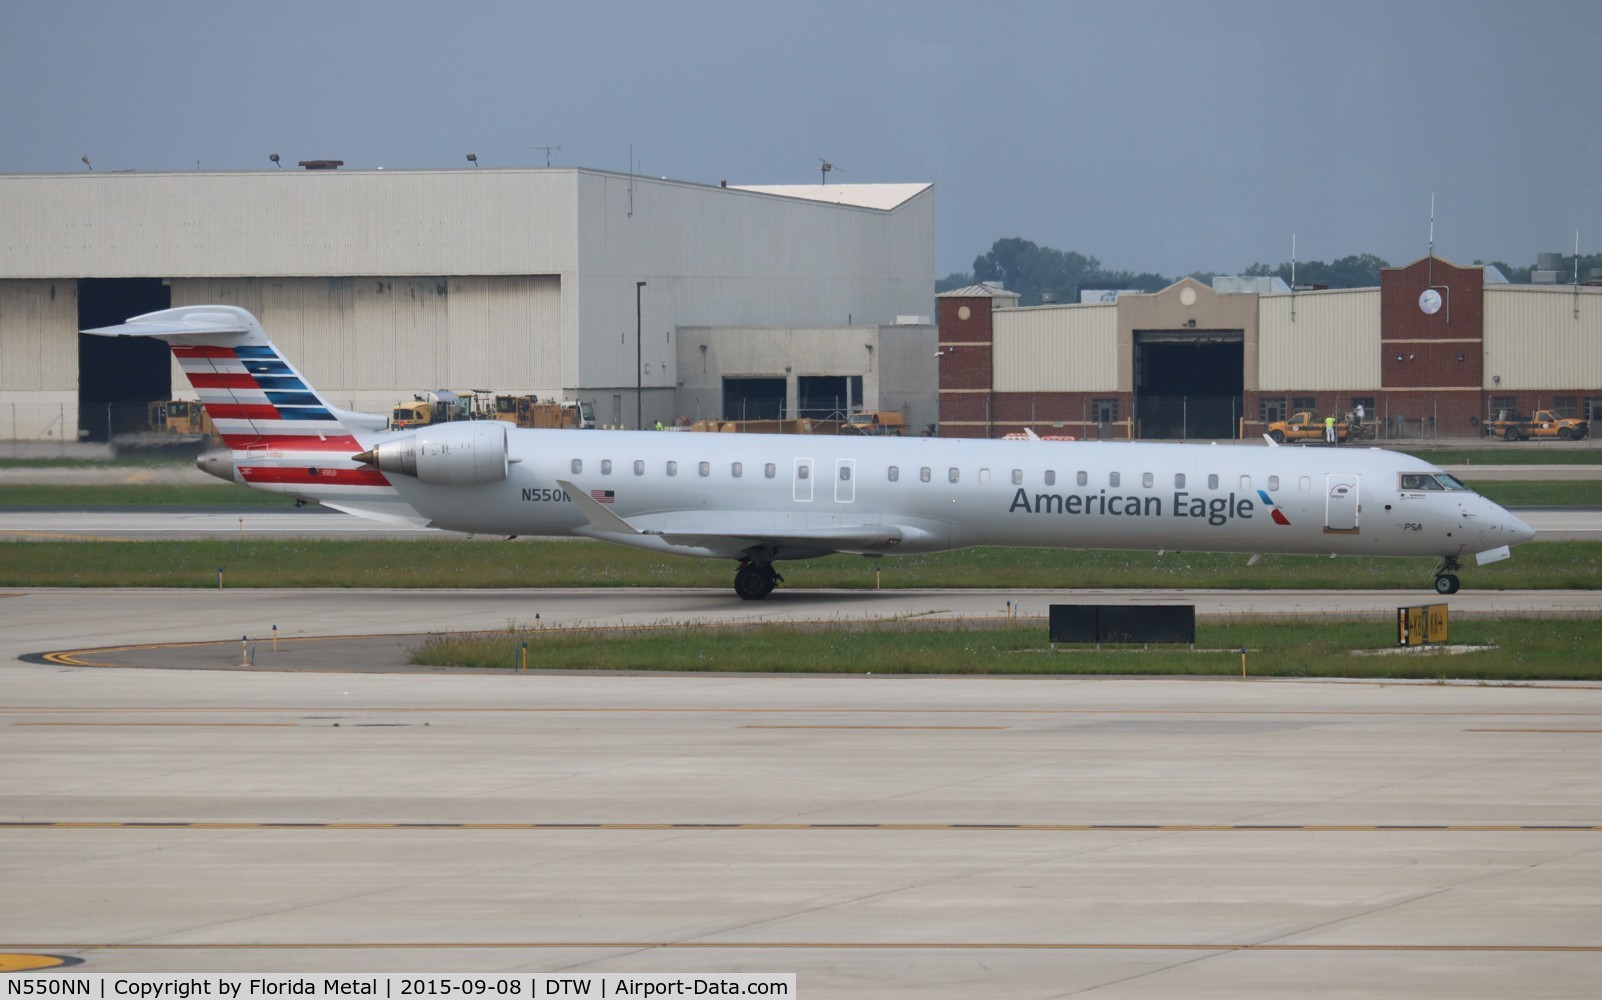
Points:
[(639, 466), (1212, 482), (1246, 483), (1017, 477), (1051, 477), (769, 470), (578, 466), (606, 466), (1179, 480), (1113, 478), (953, 475), (736, 470), (895, 474), (845, 473), (1146, 480), (1083, 479), (705, 468), (1273, 482), (984, 476), (673, 468), (923, 474), (1305, 485)]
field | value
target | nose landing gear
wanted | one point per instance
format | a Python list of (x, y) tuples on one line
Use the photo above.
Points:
[(1446, 581), (754, 581)]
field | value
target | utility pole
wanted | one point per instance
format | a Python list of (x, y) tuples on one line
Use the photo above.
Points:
[(639, 360)]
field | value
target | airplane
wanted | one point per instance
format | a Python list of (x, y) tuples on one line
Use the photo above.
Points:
[(759, 499)]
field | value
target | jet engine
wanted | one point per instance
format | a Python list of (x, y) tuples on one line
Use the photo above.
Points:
[(454, 454)]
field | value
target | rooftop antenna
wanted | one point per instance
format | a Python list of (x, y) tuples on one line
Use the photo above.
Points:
[(85, 159), (1434, 296), (548, 151), (631, 179), (1293, 277), (1576, 274), (826, 167)]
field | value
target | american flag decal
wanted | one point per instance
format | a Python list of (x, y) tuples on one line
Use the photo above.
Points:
[(601, 496)]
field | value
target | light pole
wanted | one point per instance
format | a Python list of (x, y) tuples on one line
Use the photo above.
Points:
[(639, 360)]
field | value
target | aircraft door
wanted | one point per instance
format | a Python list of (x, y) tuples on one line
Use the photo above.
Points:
[(845, 480), (802, 481), (1340, 502)]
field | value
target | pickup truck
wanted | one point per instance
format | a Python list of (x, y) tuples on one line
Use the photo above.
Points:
[(1304, 426), (1513, 426)]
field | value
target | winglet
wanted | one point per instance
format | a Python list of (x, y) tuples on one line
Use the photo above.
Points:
[(600, 518), (1271, 442)]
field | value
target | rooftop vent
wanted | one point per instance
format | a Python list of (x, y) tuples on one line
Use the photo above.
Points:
[(322, 164)]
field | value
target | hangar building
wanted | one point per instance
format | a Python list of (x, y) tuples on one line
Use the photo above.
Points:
[(1429, 353), (656, 299)]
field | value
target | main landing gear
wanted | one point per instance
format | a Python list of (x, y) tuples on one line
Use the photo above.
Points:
[(1446, 581), (754, 581)]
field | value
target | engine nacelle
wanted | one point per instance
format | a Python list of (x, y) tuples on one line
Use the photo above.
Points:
[(451, 454)]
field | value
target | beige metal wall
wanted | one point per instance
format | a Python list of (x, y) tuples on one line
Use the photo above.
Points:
[(1535, 340), (39, 360), (367, 343), (288, 223), (1333, 342), (1056, 348)]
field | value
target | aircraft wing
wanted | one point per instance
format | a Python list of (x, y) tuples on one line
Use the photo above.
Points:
[(730, 538)]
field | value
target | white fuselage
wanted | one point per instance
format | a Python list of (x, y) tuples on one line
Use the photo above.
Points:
[(949, 493)]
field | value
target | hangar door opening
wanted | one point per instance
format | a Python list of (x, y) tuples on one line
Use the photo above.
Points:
[(117, 376), (754, 398), (1189, 383)]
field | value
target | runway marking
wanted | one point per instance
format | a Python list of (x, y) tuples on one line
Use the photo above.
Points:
[(32, 963), (835, 827), (821, 945), (158, 725), (344, 711), (1533, 730), (878, 727)]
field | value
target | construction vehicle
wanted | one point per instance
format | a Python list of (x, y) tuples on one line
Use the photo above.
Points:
[(1510, 425), (531, 411), (436, 406), (887, 423), (798, 425), (170, 425), (1304, 425)]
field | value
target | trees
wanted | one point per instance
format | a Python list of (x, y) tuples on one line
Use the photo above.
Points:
[(1355, 271)]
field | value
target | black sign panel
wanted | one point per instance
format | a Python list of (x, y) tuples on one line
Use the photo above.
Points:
[(1175, 623)]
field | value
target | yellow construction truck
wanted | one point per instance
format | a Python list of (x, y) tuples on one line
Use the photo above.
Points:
[(531, 411), (887, 423), (170, 425), (1305, 426), (1510, 425)]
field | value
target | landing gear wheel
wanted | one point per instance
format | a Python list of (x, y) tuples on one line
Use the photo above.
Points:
[(753, 582), (1446, 581)]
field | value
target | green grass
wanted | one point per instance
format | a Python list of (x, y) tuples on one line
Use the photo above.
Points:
[(99, 496), (1522, 453), (1522, 649), (1542, 493), (534, 563)]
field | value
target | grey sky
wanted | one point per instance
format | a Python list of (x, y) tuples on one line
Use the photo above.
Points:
[(1165, 136)]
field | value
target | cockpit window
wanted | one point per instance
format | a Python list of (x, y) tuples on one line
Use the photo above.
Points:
[(1452, 482), (1419, 481)]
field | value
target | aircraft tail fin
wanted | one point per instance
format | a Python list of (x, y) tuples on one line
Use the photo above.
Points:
[(252, 393)]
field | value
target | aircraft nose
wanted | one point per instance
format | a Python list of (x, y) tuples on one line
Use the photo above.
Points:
[(1521, 531)]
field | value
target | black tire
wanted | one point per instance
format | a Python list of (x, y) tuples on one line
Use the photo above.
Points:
[(1511, 434), (1278, 437), (1447, 583), (1565, 434), (752, 583)]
